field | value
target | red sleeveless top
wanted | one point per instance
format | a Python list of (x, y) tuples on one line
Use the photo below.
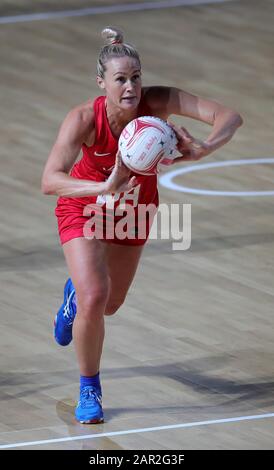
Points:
[(96, 164), (99, 159)]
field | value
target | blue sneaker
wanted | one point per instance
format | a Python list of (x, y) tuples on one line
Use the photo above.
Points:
[(64, 319), (89, 408)]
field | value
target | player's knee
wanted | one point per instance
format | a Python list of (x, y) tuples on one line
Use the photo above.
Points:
[(92, 304), (113, 306)]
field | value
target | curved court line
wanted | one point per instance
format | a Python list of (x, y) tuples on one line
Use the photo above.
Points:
[(166, 179), (136, 431), (101, 10)]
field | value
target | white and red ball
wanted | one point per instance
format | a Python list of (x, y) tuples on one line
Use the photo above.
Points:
[(147, 144)]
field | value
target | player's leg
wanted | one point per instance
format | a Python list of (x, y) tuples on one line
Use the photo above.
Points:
[(87, 265), (122, 261)]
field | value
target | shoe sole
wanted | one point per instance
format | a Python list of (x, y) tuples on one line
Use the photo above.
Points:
[(92, 421)]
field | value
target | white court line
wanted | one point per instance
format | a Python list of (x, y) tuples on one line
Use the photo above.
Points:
[(136, 431), (102, 10), (166, 180)]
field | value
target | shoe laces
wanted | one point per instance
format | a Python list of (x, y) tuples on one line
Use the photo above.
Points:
[(89, 396), (69, 308)]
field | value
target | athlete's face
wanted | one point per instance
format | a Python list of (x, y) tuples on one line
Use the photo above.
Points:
[(122, 82)]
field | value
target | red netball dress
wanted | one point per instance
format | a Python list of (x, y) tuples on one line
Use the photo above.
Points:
[(123, 218)]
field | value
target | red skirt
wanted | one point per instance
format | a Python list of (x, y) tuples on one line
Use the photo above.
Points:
[(120, 219)]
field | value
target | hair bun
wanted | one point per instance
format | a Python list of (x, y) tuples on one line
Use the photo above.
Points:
[(112, 35)]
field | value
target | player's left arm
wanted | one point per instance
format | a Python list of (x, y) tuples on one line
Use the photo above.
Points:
[(225, 122)]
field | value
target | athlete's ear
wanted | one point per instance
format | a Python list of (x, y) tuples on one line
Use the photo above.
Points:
[(100, 82)]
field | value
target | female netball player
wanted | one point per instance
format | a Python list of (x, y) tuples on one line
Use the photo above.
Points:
[(102, 268)]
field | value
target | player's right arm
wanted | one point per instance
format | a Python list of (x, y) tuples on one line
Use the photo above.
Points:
[(78, 128)]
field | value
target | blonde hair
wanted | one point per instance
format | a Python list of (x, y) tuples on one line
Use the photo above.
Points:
[(114, 47)]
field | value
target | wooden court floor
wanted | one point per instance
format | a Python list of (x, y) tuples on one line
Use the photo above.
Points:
[(194, 341)]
